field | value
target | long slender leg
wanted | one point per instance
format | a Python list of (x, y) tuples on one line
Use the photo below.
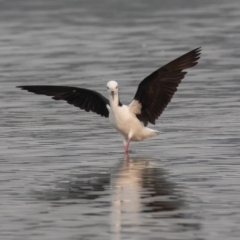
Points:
[(124, 142), (127, 146)]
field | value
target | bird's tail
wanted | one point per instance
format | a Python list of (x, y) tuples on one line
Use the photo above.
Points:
[(152, 132)]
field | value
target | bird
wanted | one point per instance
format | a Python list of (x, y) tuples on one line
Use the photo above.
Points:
[(151, 98)]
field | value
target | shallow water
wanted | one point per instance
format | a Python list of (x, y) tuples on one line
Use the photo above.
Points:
[(63, 173)]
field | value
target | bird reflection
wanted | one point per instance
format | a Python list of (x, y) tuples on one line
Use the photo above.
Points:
[(86, 186), (133, 184), (138, 196), (136, 179), (138, 188)]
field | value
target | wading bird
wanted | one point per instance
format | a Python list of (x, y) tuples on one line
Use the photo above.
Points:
[(152, 96)]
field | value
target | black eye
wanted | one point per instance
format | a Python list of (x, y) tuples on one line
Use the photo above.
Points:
[(107, 87), (116, 87)]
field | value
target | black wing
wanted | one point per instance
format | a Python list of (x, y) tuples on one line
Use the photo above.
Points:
[(79, 97), (156, 91)]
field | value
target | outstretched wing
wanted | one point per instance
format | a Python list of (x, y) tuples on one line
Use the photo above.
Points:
[(79, 97), (156, 91)]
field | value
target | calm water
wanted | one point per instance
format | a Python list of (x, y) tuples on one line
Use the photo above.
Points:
[(63, 173)]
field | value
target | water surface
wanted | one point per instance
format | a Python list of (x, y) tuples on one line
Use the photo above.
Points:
[(63, 172)]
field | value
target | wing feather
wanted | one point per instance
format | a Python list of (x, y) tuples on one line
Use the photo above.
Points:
[(156, 90), (85, 99)]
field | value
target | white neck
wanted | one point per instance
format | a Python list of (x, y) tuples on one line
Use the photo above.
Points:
[(114, 102)]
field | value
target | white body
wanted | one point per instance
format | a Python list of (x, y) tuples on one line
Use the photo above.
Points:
[(124, 120), (126, 123)]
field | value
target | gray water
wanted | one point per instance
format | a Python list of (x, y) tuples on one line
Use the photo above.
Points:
[(63, 172)]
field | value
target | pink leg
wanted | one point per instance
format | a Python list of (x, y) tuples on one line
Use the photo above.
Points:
[(126, 147)]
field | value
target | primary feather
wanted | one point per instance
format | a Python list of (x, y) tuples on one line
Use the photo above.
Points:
[(156, 91), (85, 99)]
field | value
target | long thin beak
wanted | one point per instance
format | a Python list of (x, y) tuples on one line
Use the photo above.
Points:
[(112, 92)]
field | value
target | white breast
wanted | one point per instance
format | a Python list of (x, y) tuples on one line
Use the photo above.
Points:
[(127, 124), (121, 119)]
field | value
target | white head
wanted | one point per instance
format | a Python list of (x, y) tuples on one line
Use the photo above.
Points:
[(112, 88)]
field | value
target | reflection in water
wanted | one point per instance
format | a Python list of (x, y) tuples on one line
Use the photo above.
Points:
[(139, 188), (87, 186), (133, 181), (136, 196)]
